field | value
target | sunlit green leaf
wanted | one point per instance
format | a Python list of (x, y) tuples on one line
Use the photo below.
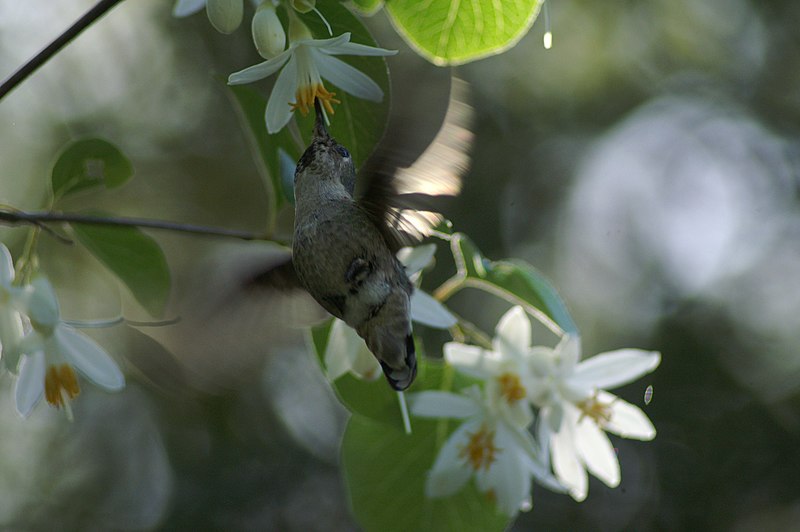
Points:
[(452, 32), (89, 163), (135, 258), (514, 280), (385, 473)]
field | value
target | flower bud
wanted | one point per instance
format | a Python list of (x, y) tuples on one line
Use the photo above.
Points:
[(268, 34), (225, 15), (303, 6)]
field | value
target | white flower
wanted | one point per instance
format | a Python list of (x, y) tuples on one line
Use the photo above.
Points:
[(304, 64), (575, 410), (347, 352), (500, 456), (52, 350), (10, 318), (504, 368)]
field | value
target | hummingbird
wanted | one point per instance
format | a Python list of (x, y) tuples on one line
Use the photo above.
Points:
[(348, 227), (344, 247), (343, 260)]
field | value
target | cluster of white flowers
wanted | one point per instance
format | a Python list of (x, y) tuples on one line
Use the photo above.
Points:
[(304, 63), (41, 349), (495, 442)]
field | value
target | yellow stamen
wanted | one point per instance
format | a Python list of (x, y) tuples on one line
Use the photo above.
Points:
[(60, 385), (592, 408), (480, 450), (511, 388), (305, 98)]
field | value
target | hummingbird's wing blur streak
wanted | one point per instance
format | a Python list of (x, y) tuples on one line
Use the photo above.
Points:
[(400, 200)]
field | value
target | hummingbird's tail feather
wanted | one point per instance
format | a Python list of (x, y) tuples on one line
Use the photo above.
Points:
[(401, 378), (388, 336)]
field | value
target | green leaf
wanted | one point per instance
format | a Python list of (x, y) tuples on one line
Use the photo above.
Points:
[(250, 105), (367, 7), (453, 32), (515, 281), (89, 163), (134, 257), (385, 473), (358, 124)]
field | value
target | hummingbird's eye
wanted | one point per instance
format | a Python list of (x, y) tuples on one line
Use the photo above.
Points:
[(343, 151)]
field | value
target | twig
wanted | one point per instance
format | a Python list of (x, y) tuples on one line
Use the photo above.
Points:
[(62, 40), (38, 218)]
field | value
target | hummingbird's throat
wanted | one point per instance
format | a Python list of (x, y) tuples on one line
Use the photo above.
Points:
[(307, 93)]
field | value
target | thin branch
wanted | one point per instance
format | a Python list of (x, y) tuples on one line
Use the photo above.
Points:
[(62, 40), (38, 218)]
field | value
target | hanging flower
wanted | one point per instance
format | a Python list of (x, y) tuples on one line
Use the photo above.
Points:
[(53, 351), (304, 64), (575, 410)]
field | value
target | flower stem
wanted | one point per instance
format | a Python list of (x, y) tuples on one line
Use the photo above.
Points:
[(52, 49), (15, 217)]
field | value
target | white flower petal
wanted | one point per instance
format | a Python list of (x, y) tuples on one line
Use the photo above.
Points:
[(30, 383), (6, 267), (39, 302), (330, 43), (469, 359), (597, 452), (569, 353), (427, 311), (279, 110), (513, 333), (184, 8), (567, 466), (508, 476), (416, 258), (352, 48), (340, 351), (347, 78), (449, 472), (442, 404), (627, 420), (261, 70), (10, 335), (86, 356), (615, 368)]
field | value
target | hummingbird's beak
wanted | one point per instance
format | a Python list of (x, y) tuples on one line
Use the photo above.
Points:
[(320, 129)]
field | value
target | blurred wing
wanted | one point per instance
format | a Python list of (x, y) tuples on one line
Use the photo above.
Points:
[(244, 303), (401, 200)]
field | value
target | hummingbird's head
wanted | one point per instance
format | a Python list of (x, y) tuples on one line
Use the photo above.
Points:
[(324, 159)]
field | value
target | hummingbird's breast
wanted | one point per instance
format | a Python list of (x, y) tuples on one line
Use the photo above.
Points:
[(343, 261)]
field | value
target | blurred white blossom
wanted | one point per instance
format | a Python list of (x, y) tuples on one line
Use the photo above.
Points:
[(575, 410), (500, 456), (52, 352)]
